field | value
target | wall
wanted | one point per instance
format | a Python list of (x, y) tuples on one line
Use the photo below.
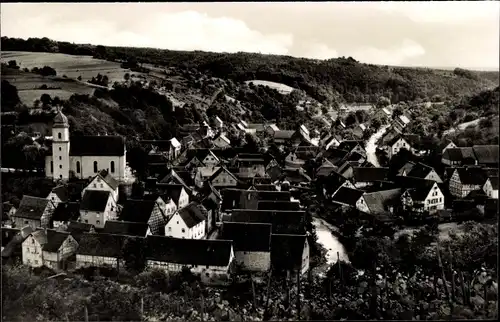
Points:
[(60, 153), (197, 232), (97, 218), (98, 184), (103, 163), (156, 220), (32, 252), (210, 160), (21, 222), (488, 189), (305, 258), (224, 179), (361, 205), (434, 200), (96, 261), (54, 198), (253, 261), (434, 177), (174, 227)]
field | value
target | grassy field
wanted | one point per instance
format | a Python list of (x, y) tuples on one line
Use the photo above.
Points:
[(282, 88), (69, 65)]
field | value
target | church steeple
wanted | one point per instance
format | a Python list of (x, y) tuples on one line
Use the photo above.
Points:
[(60, 147), (60, 120)]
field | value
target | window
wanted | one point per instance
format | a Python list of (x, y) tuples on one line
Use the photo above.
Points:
[(60, 149), (86, 221), (207, 275), (112, 166), (169, 228), (102, 186), (60, 166), (183, 230), (98, 222), (77, 166), (36, 262), (207, 266), (177, 222), (32, 241), (95, 185), (60, 176), (95, 166), (60, 157), (51, 166), (59, 135)]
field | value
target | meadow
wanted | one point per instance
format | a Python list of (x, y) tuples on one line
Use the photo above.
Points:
[(282, 88)]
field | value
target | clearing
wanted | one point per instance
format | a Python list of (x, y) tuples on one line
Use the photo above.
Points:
[(282, 88)]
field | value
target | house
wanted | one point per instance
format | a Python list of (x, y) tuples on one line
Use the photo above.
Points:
[(100, 250), (333, 142), (174, 149), (8, 234), (188, 222), (459, 157), (211, 259), (353, 146), (58, 194), (364, 176), (221, 141), (490, 188), (218, 123), (290, 253), (486, 155), (249, 199), (175, 177), (149, 212), (448, 144), (379, 203), (395, 145), (465, 180), (83, 157), (346, 197), (193, 158), (250, 165), (257, 127), (251, 244), (359, 130), (64, 213), (383, 113), (34, 212), (202, 174), (282, 136), (278, 205), (12, 240), (223, 178), (48, 247), (271, 129), (103, 181), (97, 207), (77, 229), (116, 227), (419, 170), (426, 198), (8, 210), (283, 222), (400, 123), (174, 197)]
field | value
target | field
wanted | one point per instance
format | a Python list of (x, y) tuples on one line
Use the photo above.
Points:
[(69, 65), (282, 88)]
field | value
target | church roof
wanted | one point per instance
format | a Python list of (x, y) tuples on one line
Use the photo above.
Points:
[(105, 145), (60, 120)]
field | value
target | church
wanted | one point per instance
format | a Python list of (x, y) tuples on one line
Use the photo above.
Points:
[(83, 157)]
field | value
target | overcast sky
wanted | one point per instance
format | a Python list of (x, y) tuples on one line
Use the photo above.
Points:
[(433, 34)]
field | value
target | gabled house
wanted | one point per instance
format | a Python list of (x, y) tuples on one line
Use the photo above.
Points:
[(346, 197), (465, 180), (223, 178), (383, 113), (359, 130), (426, 198), (188, 222), (271, 129), (400, 123), (58, 194), (101, 250), (34, 212), (77, 229), (250, 165), (202, 174), (448, 144), (174, 197), (490, 188), (64, 213), (211, 259), (48, 247), (283, 136), (290, 253), (459, 157), (353, 146), (174, 149), (486, 155), (96, 207), (103, 181), (148, 212), (365, 176), (249, 199), (251, 244), (283, 222), (221, 141), (419, 170), (127, 228), (380, 203)]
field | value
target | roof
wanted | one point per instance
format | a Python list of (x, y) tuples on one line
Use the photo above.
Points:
[(232, 196), (348, 145), (55, 239), (60, 120), (185, 251), (287, 250), (8, 234), (486, 154), (137, 210), (250, 237), (347, 196), (31, 207), (419, 170), (259, 127), (66, 211), (61, 192), (175, 143), (94, 200), (295, 175), (104, 145), (174, 177), (284, 222), (219, 171), (404, 119), (193, 214), (274, 127), (105, 245), (412, 182), (171, 191), (125, 228), (76, 229), (108, 178), (283, 134), (265, 187), (378, 202), (324, 171), (421, 192), (370, 174), (494, 182), (472, 176), (277, 205)]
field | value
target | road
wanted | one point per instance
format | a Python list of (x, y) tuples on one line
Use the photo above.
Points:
[(371, 146), (463, 126)]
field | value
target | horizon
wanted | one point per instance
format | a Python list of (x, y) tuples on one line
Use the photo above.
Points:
[(437, 35)]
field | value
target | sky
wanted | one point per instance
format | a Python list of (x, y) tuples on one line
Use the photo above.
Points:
[(427, 34)]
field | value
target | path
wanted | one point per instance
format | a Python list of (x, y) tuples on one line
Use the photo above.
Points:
[(463, 126), (371, 146)]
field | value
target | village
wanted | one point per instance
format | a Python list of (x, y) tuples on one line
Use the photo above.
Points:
[(219, 210)]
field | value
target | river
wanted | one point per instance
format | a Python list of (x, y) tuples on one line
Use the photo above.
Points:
[(329, 241), (371, 146)]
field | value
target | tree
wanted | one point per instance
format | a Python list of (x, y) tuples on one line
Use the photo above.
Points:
[(79, 77), (126, 77), (45, 99), (134, 254), (47, 71), (13, 64), (10, 97), (383, 102)]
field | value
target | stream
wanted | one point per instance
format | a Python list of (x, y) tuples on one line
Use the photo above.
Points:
[(371, 147), (329, 241)]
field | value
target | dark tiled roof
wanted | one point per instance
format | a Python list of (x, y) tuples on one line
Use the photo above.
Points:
[(412, 182), (265, 187), (189, 251), (174, 177), (278, 205), (8, 234), (31, 207), (420, 193), (125, 228), (109, 179), (287, 250), (97, 146), (283, 222), (494, 182), (137, 210), (77, 229), (460, 154), (235, 196), (472, 176), (170, 191), (95, 200), (61, 192), (105, 245), (283, 135), (54, 240), (193, 214), (486, 154), (419, 170), (379, 202), (370, 174), (219, 171), (335, 156), (66, 211), (348, 145), (295, 175), (249, 237), (347, 196)]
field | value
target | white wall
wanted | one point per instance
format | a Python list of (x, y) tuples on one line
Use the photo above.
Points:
[(98, 219), (103, 163), (60, 153), (96, 261), (253, 261), (54, 198), (434, 200), (32, 252), (223, 179), (98, 184), (175, 226)]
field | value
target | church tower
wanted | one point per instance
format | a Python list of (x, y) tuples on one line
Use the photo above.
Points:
[(60, 147)]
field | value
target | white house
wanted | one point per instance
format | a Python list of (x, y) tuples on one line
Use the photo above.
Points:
[(34, 212), (290, 252), (100, 250), (203, 174), (426, 198), (491, 187), (450, 145), (395, 145), (221, 141), (187, 222), (419, 170), (83, 157), (103, 181), (48, 247), (96, 207), (223, 178), (174, 149), (58, 194), (465, 180)]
